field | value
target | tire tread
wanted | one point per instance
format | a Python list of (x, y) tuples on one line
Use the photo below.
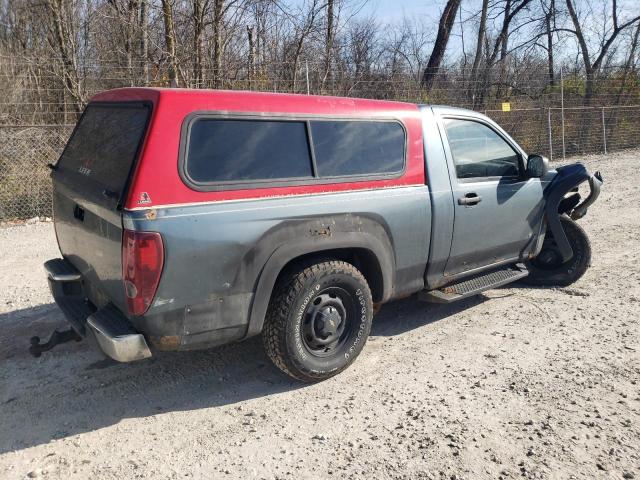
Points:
[(542, 278), (287, 289)]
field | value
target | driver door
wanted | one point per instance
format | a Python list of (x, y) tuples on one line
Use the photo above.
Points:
[(497, 209)]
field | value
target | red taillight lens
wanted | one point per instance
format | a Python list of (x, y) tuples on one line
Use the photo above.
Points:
[(142, 261)]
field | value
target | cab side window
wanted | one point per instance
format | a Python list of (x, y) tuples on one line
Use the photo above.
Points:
[(478, 151)]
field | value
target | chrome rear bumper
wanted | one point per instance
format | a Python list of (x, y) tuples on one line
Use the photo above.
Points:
[(111, 329), (121, 346)]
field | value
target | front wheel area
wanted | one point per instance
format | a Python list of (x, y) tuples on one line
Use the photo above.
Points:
[(318, 320), (548, 269)]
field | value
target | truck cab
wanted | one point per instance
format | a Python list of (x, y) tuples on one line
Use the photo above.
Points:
[(483, 172), (191, 218)]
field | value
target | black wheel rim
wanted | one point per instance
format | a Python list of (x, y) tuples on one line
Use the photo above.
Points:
[(549, 257), (327, 321)]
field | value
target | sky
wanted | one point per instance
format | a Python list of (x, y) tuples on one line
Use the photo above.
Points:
[(392, 10), (396, 9), (428, 12)]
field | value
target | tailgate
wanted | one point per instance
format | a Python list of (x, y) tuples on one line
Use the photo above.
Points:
[(89, 187)]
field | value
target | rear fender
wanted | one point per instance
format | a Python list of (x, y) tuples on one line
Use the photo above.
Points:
[(377, 244), (567, 179)]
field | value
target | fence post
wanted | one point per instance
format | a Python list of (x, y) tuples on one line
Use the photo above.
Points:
[(564, 152), (604, 133), (550, 136), (306, 63)]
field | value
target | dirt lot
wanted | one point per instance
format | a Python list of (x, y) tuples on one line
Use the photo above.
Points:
[(540, 383)]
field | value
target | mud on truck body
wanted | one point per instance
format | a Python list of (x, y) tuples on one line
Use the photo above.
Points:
[(192, 218)]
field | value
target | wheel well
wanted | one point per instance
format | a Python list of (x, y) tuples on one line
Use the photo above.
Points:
[(361, 258)]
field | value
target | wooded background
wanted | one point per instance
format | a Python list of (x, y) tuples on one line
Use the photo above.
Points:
[(567, 68)]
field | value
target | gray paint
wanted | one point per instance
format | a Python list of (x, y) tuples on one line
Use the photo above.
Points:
[(216, 253), (222, 258), (93, 246), (504, 226), (442, 211)]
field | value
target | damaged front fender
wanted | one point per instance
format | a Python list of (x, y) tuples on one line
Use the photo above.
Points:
[(566, 180)]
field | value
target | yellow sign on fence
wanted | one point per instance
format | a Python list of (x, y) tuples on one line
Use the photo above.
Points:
[(506, 107)]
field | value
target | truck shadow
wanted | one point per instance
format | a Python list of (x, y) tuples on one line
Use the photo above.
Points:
[(73, 389)]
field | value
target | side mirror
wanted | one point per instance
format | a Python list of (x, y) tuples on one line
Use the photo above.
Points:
[(537, 166)]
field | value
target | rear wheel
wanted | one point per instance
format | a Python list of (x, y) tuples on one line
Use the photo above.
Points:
[(548, 269), (318, 320)]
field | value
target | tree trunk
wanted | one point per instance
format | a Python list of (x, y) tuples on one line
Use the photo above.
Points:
[(144, 39), (132, 12), (482, 29), (328, 44), (584, 50), (169, 40), (550, 26), (217, 42), (252, 56), (63, 39), (504, 45), (437, 54), (198, 43), (628, 67)]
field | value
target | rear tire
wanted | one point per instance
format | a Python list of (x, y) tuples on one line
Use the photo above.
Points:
[(318, 320), (547, 268)]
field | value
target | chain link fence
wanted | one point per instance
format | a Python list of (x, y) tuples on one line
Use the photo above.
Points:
[(560, 133), (25, 150)]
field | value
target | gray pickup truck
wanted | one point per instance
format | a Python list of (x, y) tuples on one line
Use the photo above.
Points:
[(192, 218)]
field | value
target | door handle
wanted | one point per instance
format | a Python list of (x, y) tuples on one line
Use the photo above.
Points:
[(470, 199)]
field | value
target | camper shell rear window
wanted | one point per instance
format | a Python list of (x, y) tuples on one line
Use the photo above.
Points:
[(103, 147)]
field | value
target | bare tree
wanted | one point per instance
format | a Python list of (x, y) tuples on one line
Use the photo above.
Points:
[(304, 23), (63, 43), (482, 31), (480, 42), (593, 61), (218, 15), (199, 11), (329, 38), (126, 13), (143, 22), (251, 59), (440, 46), (170, 41), (54, 51), (549, 24)]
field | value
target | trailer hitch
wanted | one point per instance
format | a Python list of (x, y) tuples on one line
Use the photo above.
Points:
[(56, 338)]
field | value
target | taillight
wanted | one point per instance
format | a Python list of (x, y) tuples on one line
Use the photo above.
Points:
[(142, 260)]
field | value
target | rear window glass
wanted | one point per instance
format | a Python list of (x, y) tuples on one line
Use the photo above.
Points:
[(357, 148), (243, 150), (104, 145)]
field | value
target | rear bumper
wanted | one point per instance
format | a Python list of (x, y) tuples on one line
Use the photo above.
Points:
[(116, 337), (113, 332)]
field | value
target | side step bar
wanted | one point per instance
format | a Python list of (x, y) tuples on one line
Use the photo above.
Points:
[(474, 285)]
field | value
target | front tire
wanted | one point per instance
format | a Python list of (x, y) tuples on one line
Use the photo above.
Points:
[(318, 320), (548, 270)]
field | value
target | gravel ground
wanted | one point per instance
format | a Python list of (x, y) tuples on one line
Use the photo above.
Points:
[(518, 382)]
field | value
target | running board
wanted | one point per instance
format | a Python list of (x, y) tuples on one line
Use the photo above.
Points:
[(474, 285)]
